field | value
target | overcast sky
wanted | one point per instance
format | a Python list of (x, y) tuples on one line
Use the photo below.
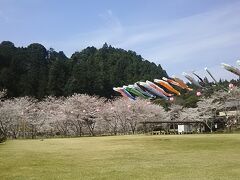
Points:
[(181, 35)]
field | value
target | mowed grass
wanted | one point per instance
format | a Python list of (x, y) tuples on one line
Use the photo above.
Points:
[(123, 157)]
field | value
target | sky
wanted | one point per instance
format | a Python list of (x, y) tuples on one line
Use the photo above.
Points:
[(181, 35)]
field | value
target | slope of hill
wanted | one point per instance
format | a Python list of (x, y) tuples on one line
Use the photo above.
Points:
[(36, 71)]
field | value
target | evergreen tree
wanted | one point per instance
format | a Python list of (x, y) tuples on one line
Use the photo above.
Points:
[(35, 71)]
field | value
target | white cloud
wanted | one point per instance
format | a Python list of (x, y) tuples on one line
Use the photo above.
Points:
[(215, 29), (111, 21), (109, 32), (207, 38)]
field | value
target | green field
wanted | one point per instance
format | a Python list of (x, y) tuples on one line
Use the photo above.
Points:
[(123, 157)]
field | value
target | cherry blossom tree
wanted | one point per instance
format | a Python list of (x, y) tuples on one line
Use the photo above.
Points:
[(6, 118), (13, 116), (223, 101), (207, 110), (175, 111), (3, 134), (230, 101), (43, 116), (54, 120), (3, 93), (124, 116), (82, 112), (111, 120)]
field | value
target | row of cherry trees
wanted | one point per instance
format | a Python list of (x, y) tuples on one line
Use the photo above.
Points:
[(76, 115), (208, 108), (80, 114)]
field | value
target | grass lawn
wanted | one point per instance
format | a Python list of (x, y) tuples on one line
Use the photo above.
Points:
[(123, 157)]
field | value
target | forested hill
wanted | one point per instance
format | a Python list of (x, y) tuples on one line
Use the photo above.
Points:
[(36, 71)]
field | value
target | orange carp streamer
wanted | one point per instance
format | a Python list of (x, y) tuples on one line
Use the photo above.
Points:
[(158, 88), (172, 82), (167, 86), (181, 82)]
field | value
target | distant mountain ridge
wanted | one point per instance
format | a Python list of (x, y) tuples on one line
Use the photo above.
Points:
[(38, 72)]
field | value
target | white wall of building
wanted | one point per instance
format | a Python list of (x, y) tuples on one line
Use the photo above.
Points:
[(184, 128)]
